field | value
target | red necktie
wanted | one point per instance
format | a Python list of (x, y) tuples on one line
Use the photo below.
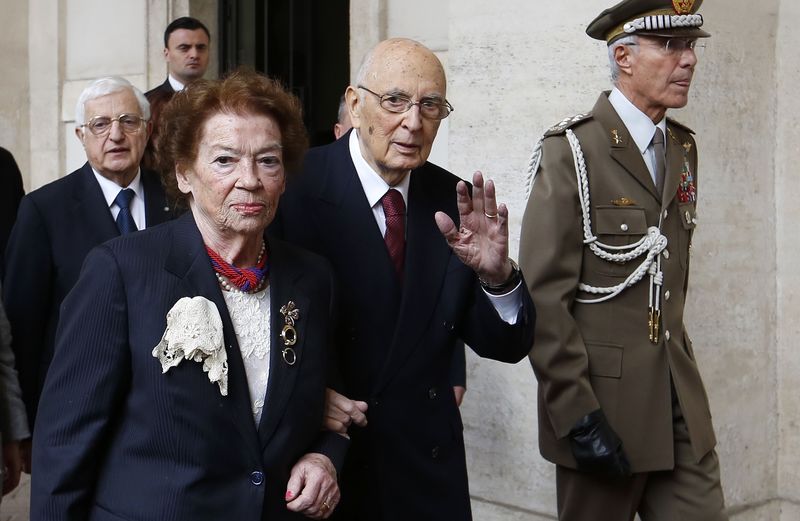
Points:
[(395, 210)]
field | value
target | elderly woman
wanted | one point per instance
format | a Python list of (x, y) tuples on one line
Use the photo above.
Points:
[(188, 380)]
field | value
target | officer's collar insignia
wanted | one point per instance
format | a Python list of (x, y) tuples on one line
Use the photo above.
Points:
[(623, 201), (615, 137), (683, 6)]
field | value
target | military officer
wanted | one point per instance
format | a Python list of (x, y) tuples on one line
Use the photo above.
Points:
[(605, 250)]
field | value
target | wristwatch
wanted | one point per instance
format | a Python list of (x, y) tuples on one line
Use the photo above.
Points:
[(504, 287)]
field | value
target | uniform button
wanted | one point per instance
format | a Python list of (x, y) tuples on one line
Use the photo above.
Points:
[(432, 393), (448, 325), (623, 227), (666, 334), (435, 452), (665, 213), (666, 254), (257, 478), (666, 295)]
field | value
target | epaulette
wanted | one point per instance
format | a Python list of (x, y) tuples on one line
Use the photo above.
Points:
[(567, 123), (679, 124)]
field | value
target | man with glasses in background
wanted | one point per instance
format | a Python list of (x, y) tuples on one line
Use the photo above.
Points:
[(60, 222), (605, 244), (420, 263)]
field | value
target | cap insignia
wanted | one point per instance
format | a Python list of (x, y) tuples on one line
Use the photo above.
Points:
[(683, 6)]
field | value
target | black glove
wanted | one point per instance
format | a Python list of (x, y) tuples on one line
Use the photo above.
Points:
[(597, 448)]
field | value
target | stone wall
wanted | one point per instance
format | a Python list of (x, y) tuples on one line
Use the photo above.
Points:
[(515, 67)]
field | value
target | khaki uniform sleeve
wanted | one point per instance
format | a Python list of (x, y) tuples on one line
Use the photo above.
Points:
[(551, 252)]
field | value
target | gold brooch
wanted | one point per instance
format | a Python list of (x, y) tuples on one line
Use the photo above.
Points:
[(290, 314)]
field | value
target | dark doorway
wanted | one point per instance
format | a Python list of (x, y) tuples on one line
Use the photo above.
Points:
[(304, 43)]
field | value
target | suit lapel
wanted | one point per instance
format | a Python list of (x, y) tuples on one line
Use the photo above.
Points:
[(90, 206), (285, 286), (156, 209), (622, 146), (427, 256), (188, 260), (347, 217)]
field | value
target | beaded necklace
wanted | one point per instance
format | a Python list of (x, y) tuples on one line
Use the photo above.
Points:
[(245, 280)]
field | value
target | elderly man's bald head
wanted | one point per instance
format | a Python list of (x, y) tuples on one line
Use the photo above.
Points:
[(405, 52), (396, 137)]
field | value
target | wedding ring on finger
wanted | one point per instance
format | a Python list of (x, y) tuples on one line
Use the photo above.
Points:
[(492, 216), (325, 506)]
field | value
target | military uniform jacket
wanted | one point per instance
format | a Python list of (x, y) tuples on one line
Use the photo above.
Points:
[(591, 356)]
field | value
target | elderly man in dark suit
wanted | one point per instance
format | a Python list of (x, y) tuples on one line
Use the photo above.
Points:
[(605, 246), (60, 222), (186, 49), (413, 282)]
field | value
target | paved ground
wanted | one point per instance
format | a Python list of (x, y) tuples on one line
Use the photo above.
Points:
[(15, 505)]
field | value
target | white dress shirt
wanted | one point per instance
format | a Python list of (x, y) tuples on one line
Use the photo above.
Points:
[(640, 126), (507, 305), (176, 85), (111, 190)]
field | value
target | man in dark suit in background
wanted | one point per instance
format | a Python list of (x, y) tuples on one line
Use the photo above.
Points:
[(11, 192), (186, 48), (406, 296), (60, 222)]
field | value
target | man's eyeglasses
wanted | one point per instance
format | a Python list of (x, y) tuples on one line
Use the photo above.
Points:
[(429, 108), (129, 123), (676, 46)]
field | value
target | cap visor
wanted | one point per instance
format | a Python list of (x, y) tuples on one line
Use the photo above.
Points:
[(687, 32)]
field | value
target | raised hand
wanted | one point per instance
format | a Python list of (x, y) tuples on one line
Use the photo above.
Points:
[(481, 240)]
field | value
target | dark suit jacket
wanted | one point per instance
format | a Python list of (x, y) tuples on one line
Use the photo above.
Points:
[(56, 227), (11, 192), (117, 439), (395, 342), (158, 97)]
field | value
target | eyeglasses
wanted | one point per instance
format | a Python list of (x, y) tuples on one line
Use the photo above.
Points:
[(677, 46), (429, 108), (129, 123)]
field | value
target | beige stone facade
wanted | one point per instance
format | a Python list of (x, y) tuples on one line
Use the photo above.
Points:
[(516, 67)]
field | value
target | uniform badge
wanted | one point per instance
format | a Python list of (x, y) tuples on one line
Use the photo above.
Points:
[(683, 6), (686, 189), (623, 201), (615, 137)]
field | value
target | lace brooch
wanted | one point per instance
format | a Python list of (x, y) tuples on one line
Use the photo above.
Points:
[(194, 332)]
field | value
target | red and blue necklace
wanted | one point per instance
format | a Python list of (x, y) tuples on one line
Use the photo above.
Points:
[(246, 280)]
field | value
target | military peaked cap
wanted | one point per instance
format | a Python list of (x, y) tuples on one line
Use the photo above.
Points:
[(649, 17)]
